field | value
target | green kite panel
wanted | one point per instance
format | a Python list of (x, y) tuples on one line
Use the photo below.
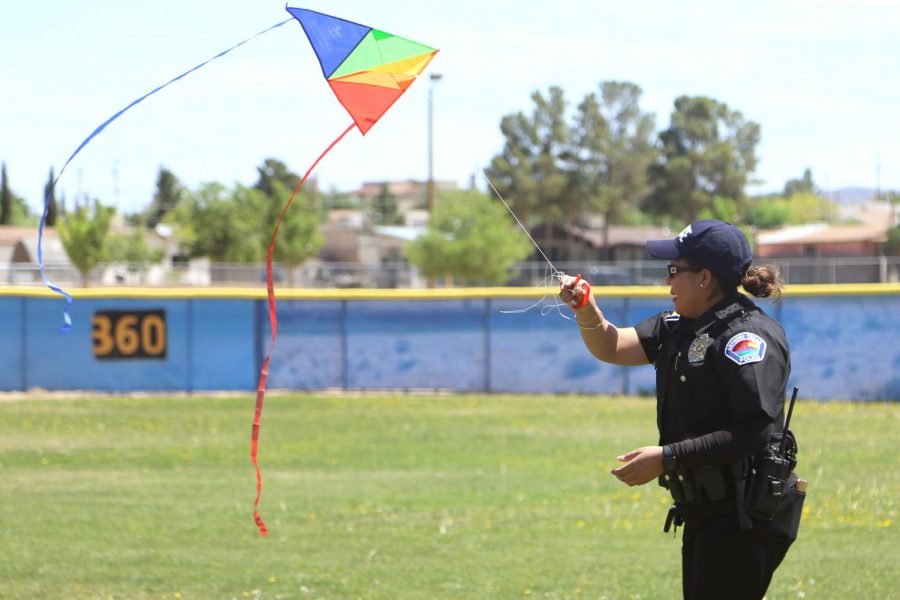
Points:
[(376, 49)]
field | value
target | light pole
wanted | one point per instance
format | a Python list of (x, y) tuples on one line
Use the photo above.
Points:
[(434, 78)]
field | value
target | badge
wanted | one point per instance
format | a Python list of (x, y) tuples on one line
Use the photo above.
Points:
[(745, 348), (697, 351)]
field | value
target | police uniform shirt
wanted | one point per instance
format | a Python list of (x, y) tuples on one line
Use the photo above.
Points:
[(712, 372)]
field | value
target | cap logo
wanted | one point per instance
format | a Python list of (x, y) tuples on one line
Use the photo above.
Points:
[(684, 233)]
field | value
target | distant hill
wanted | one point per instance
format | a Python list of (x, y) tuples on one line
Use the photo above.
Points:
[(848, 196), (851, 195)]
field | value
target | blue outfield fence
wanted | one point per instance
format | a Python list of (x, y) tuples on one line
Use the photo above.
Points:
[(845, 341)]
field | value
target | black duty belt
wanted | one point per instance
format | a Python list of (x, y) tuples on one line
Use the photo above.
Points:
[(692, 485)]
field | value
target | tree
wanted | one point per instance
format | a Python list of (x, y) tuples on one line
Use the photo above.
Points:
[(211, 223), (13, 209), (298, 235), (708, 150), (799, 208), (892, 245), (299, 238), (531, 170), (334, 199), (726, 209), (893, 198), (470, 238), (131, 248), (384, 208), (807, 207), (50, 200), (721, 208), (271, 171), (613, 148), (84, 233), (768, 212), (6, 199), (166, 197), (804, 185), (553, 169), (237, 225)]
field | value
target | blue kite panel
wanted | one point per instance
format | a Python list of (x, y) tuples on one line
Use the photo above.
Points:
[(308, 353), (12, 350), (416, 344), (333, 39)]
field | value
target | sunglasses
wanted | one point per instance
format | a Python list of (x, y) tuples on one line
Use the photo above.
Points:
[(674, 269)]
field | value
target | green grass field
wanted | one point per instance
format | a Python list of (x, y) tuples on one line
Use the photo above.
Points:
[(405, 496)]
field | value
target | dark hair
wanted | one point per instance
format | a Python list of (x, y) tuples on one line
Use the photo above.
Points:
[(763, 282)]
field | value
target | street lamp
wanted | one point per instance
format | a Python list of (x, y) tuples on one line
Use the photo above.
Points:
[(434, 78)]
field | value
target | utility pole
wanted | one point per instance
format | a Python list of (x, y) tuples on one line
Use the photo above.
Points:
[(878, 176), (434, 78), (429, 192), (115, 174)]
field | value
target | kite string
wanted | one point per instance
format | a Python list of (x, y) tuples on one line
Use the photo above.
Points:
[(273, 320), (66, 318), (554, 272)]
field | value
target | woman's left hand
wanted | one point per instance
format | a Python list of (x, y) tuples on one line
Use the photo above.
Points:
[(641, 466)]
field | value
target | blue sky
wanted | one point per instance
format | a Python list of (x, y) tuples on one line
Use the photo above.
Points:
[(820, 76)]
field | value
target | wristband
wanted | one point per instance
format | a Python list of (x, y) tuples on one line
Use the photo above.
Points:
[(669, 461)]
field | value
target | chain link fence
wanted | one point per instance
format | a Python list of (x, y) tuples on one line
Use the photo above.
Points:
[(402, 275)]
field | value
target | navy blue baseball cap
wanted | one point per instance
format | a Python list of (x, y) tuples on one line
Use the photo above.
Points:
[(715, 245)]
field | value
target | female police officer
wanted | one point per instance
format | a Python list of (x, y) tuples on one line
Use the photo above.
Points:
[(722, 367)]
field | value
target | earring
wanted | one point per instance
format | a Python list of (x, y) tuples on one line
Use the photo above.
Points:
[(702, 284)]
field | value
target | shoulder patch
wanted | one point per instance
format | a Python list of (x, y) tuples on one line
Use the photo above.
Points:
[(745, 347), (673, 317)]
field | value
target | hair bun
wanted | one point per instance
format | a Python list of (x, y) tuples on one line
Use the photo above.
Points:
[(763, 282)]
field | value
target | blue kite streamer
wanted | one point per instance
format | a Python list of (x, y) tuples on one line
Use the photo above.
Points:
[(67, 320)]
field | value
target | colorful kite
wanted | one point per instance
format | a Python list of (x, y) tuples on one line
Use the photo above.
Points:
[(368, 70)]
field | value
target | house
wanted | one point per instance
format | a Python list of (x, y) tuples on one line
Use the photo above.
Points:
[(416, 217), (354, 254), (824, 253), (410, 194), (567, 243), (18, 256), (817, 240), (884, 214), (395, 270), (611, 256)]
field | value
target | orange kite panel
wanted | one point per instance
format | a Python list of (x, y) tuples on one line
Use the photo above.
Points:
[(365, 103)]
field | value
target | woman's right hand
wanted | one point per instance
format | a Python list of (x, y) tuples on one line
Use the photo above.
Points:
[(574, 291), (619, 346)]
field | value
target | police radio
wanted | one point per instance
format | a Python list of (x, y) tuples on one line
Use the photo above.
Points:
[(772, 469)]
